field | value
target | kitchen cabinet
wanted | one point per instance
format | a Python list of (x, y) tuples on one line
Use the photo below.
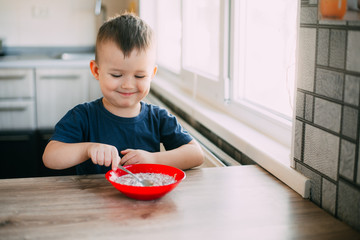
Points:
[(18, 154), (43, 137), (17, 83), (59, 90), (34, 95), (17, 99), (21, 154)]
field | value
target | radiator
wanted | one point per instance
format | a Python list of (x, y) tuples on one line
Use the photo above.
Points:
[(214, 156)]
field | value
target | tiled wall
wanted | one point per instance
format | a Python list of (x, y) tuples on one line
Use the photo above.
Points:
[(327, 112)]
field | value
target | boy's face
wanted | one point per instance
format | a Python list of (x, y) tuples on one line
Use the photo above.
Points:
[(124, 81)]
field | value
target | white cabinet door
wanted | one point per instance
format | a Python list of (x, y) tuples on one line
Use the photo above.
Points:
[(57, 91), (16, 83), (17, 99), (17, 114)]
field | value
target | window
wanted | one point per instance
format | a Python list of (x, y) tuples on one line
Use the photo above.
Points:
[(265, 32), (169, 34), (165, 18), (201, 36), (237, 55)]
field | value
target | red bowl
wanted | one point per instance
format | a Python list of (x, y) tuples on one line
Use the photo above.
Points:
[(146, 193)]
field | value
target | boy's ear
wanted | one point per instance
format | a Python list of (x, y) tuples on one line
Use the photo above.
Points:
[(94, 69), (154, 71)]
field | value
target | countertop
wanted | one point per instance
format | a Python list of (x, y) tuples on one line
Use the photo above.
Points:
[(240, 202), (69, 60)]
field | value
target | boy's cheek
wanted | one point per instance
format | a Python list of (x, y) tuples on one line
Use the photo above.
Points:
[(144, 87)]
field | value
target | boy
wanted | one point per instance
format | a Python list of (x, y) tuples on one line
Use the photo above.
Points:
[(92, 135)]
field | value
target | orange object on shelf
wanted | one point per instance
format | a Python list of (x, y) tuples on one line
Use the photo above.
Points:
[(333, 8)]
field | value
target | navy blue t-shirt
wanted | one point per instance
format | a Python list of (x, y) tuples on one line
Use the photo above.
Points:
[(91, 122)]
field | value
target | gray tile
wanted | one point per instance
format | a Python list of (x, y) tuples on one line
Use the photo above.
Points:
[(306, 70), (351, 91), (350, 122), (308, 15), (337, 48), (354, 23), (349, 204), (327, 114), (300, 104), (353, 51), (298, 139), (347, 160), (328, 197), (329, 83), (331, 22), (321, 151), (315, 182), (323, 47), (309, 102)]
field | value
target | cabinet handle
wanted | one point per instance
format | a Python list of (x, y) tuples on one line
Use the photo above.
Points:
[(12, 77), (14, 138), (60, 77), (13, 108)]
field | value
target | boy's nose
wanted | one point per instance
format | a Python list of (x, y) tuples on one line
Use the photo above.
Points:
[(127, 82)]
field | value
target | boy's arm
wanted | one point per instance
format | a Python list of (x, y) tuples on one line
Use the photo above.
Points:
[(60, 155), (184, 157)]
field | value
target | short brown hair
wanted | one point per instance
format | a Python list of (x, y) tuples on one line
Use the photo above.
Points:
[(127, 31)]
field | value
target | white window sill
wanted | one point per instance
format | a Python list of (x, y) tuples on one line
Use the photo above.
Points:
[(266, 152)]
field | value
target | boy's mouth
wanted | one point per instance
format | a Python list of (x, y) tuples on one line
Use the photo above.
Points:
[(126, 94)]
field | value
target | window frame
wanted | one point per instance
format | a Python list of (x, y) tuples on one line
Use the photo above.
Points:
[(202, 85)]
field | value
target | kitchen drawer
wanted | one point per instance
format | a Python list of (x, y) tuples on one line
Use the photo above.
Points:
[(59, 90), (16, 83), (17, 114)]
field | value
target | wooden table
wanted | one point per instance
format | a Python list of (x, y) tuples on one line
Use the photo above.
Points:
[(242, 202)]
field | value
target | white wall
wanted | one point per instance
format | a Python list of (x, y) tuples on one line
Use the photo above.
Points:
[(52, 23)]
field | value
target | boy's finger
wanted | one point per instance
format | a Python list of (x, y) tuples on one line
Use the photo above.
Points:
[(126, 151), (127, 159), (100, 158), (124, 160), (115, 163), (107, 158)]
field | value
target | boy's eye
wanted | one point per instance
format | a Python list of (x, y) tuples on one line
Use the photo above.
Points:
[(137, 76), (116, 75)]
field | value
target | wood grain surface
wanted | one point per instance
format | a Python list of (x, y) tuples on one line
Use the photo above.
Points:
[(242, 202)]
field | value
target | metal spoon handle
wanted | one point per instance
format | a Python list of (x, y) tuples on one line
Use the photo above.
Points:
[(124, 169)]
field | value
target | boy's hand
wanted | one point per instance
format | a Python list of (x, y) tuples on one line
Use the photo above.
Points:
[(132, 156), (103, 154)]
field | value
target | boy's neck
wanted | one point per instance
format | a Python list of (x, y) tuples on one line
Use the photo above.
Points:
[(126, 112)]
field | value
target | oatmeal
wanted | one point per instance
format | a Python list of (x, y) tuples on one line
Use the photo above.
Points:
[(158, 179)]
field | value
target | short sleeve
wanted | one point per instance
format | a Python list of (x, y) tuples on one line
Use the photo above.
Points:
[(173, 135), (72, 127)]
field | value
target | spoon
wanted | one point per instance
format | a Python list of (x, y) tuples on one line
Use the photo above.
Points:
[(144, 182)]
